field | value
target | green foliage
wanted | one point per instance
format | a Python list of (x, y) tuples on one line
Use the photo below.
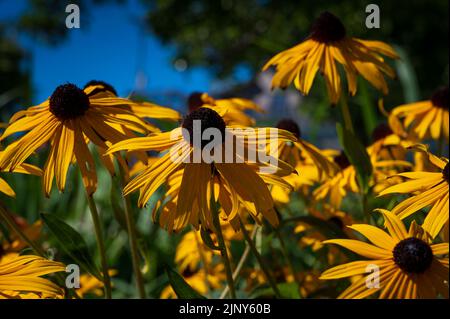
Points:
[(180, 286)]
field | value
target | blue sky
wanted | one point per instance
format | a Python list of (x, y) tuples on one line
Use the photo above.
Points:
[(111, 48)]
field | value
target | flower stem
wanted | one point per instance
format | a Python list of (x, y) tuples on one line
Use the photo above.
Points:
[(346, 114), (261, 262), (240, 264), (223, 248), (131, 227), (100, 244)]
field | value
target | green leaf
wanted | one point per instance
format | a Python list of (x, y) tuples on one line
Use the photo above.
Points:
[(357, 155), (180, 286), (207, 240), (72, 243), (288, 290)]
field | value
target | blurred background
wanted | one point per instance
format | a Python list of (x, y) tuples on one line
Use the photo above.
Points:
[(164, 50)]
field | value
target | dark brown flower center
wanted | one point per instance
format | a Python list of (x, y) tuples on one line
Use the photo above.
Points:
[(440, 98), (195, 101), (203, 118), (342, 160), (106, 87), (336, 221), (327, 28), (380, 132), (68, 102), (290, 126), (413, 255), (445, 172)]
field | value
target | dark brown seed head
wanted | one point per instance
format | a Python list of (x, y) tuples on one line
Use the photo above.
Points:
[(207, 119), (68, 102), (290, 126), (327, 28), (342, 160), (106, 87), (440, 98), (195, 101), (380, 132), (413, 255)]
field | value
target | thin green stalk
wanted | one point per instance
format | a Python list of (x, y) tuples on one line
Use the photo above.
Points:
[(240, 264), (100, 244), (346, 113), (131, 228), (223, 248), (286, 256), (260, 260)]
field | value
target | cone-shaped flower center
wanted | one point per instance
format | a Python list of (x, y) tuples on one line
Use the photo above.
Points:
[(380, 132), (195, 101), (336, 221), (445, 172), (68, 102), (413, 255), (106, 87), (290, 126), (440, 98), (342, 160), (203, 118), (327, 28)]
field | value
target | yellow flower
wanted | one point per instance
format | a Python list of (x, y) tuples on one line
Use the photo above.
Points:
[(425, 118), (15, 242), (409, 264), (336, 188), (90, 284), (21, 276), (326, 45), (231, 108), (311, 163), (429, 189), (141, 109), (345, 180), (243, 179), (68, 120), (23, 168)]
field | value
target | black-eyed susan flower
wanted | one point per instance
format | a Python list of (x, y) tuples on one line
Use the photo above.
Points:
[(426, 119), (409, 265), (21, 277), (327, 44), (311, 164), (68, 120), (243, 178), (232, 109), (428, 189), (311, 237), (143, 110)]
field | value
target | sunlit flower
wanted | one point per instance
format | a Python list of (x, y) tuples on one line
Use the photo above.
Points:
[(327, 44), (92, 285), (426, 118), (243, 180), (409, 265), (68, 120), (21, 277), (428, 189), (311, 164), (232, 109)]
